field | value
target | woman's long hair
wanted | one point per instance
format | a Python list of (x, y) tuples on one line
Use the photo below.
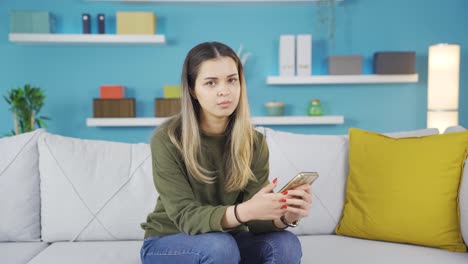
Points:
[(184, 129)]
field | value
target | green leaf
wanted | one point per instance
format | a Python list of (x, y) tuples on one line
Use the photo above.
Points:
[(9, 134), (25, 101), (39, 123)]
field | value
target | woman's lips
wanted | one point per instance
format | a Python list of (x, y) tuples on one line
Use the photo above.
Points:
[(225, 103)]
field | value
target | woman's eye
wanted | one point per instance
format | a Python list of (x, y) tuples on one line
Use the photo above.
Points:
[(210, 83), (233, 80)]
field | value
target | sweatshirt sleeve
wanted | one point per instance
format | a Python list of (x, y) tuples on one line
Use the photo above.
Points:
[(261, 171), (176, 194)]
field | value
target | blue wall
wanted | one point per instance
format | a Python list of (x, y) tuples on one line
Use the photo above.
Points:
[(71, 75)]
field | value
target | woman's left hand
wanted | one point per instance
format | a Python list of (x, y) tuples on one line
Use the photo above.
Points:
[(298, 201)]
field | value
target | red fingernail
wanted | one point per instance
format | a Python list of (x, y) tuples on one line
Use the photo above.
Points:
[(283, 200), (275, 180), (284, 207), (285, 192)]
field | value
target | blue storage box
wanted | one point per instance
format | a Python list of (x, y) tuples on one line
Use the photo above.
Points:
[(31, 22)]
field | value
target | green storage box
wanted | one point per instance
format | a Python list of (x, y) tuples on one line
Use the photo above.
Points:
[(31, 22)]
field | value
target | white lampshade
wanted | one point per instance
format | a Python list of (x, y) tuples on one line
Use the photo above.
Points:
[(442, 120), (443, 86)]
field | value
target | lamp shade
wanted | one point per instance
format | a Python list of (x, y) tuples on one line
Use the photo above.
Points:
[(443, 86)]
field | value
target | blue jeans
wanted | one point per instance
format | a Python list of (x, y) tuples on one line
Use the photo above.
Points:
[(223, 248)]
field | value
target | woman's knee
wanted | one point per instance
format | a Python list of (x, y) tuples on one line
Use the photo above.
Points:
[(287, 244), (221, 248), (181, 248)]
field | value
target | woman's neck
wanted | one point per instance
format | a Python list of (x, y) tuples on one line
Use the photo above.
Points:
[(213, 127)]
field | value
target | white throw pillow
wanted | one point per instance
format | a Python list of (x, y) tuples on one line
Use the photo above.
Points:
[(94, 190), (454, 129), (326, 154), (463, 203), (463, 193), (19, 188)]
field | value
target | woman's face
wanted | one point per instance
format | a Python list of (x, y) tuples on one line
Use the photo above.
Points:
[(217, 88)]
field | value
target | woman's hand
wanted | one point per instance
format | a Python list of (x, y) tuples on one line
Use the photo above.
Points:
[(298, 201), (264, 205)]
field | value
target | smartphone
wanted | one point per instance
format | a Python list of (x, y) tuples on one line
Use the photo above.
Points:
[(300, 179)]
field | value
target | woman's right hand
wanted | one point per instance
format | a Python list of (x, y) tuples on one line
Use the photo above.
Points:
[(264, 205)]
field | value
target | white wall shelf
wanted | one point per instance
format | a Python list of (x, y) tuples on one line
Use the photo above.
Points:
[(298, 120), (207, 1), (342, 79), (257, 120), (86, 39)]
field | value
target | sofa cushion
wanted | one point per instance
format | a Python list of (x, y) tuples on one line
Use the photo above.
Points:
[(463, 193), (412, 133), (19, 188), (339, 249), (454, 129), (405, 190), (94, 190), (20, 252), (326, 154), (463, 202), (102, 252), (291, 153)]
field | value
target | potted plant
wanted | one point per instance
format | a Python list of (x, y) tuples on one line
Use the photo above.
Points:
[(25, 104)]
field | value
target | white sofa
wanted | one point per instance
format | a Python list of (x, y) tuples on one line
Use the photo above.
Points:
[(67, 200)]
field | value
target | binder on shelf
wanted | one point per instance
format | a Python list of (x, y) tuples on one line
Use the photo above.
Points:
[(114, 107), (287, 62), (304, 55)]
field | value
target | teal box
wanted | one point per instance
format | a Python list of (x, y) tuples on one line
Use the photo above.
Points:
[(31, 22)]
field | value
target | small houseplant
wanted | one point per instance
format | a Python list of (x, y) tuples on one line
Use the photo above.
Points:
[(25, 104)]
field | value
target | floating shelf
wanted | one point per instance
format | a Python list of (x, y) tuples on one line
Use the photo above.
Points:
[(258, 120), (86, 39), (208, 1), (298, 120), (343, 79)]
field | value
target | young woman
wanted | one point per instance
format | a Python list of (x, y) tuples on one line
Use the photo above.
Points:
[(210, 169)]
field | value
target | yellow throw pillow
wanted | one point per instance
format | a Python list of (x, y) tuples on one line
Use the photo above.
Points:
[(405, 190)]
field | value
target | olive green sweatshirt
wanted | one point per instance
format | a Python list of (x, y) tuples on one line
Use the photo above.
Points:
[(188, 206)]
